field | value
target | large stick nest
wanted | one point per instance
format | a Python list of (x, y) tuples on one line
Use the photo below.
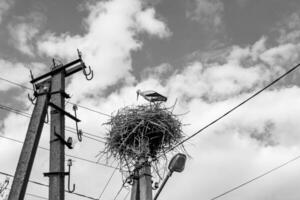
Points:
[(144, 130)]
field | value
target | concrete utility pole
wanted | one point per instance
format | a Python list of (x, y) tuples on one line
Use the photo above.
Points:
[(49, 85), (29, 148), (57, 148), (142, 186), (145, 184), (135, 187)]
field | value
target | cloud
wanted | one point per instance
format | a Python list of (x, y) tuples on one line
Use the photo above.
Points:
[(146, 21), (289, 29), (111, 34), (5, 5), (18, 72), (13, 71), (24, 31), (281, 55), (207, 12), (261, 134)]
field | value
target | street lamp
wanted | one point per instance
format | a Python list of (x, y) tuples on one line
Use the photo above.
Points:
[(176, 164)]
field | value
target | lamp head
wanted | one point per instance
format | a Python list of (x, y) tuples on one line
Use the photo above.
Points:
[(177, 163)]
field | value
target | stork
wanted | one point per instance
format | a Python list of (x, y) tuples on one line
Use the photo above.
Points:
[(151, 96)]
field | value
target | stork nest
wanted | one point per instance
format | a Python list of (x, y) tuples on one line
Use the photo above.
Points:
[(145, 130)]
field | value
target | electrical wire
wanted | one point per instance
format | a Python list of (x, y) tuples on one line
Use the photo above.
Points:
[(24, 114), (108, 181), (71, 156), (33, 195), (36, 196), (17, 84), (126, 195), (81, 106), (235, 107), (87, 133), (45, 185), (255, 178), (122, 186), (14, 110)]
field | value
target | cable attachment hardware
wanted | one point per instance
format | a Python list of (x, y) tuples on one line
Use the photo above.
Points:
[(88, 74), (155, 186), (78, 131), (4, 185), (69, 177), (32, 99), (64, 174), (68, 143)]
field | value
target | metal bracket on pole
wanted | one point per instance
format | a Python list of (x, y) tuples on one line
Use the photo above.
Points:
[(47, 174), (68, 143), (63, 112)]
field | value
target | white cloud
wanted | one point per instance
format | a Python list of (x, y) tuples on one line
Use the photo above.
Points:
[(146, 21), (15, 72), (281, 55), (258, 136), (207, 12), (18, 72), (24, 30), (289, 29), (111, 36), (5, 5)]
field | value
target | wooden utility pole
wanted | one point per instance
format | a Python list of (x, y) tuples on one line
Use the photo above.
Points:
[(57, 148), (29, 148)]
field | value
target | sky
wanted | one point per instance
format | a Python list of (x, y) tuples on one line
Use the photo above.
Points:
[(205, 55)]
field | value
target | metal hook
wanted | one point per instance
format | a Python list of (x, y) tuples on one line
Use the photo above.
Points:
[(69, 177), (31, 99), (89, 73), (78, 131)]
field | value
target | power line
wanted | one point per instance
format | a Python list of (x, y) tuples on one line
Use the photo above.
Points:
[(122, 186), (45, 185), (256, 178), (126, 195), (87, 133), (93, 110), (33, 195), (14, 110), (235, 107), (24, 114), (107, 183), (91, 138), (71, 156), (81, 106), (17, 84)]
